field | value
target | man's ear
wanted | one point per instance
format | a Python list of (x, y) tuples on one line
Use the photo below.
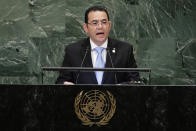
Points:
[(85, 27)]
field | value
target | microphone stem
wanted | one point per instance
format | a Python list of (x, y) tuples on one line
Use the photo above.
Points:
[(81, 64), (116, 81)]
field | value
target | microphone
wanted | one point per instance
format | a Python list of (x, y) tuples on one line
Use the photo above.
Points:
[(113, 51), (87, 48)]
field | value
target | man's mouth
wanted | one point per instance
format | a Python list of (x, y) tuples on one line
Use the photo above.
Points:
[(100, 33)]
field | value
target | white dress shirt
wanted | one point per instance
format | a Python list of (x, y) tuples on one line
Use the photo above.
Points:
[(94, 53)]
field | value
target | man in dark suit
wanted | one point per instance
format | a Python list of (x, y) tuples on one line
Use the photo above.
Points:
[(114, 54)]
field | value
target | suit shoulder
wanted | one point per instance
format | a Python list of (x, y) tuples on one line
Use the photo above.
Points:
[(77, 45)]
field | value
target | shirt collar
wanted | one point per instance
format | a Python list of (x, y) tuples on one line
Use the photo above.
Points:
[(93, 45)]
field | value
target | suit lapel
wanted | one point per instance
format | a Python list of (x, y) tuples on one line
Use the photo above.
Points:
[(110, 59), (111, 54), (86, 53), (88, 59)]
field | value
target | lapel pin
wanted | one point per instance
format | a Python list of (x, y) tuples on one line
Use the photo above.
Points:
[(113, 50)]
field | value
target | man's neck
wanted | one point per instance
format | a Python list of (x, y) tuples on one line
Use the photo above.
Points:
[(93, 44)]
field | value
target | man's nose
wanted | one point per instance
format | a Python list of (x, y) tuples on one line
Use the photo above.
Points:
[(99, 25)]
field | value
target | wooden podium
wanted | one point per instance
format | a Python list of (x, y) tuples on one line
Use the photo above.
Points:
[(93, 107)]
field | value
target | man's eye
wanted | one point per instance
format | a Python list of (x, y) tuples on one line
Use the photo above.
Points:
[(94, 23), (104, 22)]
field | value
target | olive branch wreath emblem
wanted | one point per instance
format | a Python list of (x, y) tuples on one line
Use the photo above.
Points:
[(84, 118)]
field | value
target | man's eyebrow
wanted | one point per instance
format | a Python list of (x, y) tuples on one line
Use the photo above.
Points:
[(99, 20), (94, 20)]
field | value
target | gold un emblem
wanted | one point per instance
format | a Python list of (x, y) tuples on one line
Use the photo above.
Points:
[(95, 107)]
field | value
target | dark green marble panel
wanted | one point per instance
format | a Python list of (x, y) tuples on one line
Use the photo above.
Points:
[(20, 79), (167, 63), (19, 23), (166, 18), (51, 53), (34, 34), (159, 55)]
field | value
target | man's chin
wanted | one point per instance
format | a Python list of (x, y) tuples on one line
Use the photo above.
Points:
[(101, 39)]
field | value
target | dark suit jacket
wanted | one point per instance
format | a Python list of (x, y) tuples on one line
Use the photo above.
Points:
[(122, 58)]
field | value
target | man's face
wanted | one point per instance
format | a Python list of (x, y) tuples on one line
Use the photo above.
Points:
[(98, 27)]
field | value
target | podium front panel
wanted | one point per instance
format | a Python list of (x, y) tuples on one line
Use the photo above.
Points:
[(93, 107)]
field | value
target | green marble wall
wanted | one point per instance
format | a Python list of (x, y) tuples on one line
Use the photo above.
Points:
[(163, 33)]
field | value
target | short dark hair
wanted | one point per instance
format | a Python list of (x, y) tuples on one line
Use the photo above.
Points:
[(95, 8)]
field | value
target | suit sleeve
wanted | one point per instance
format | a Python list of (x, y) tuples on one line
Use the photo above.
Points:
[(65, 75), (131, 63)]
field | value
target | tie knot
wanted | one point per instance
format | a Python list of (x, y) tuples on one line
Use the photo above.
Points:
[(99, 49)]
